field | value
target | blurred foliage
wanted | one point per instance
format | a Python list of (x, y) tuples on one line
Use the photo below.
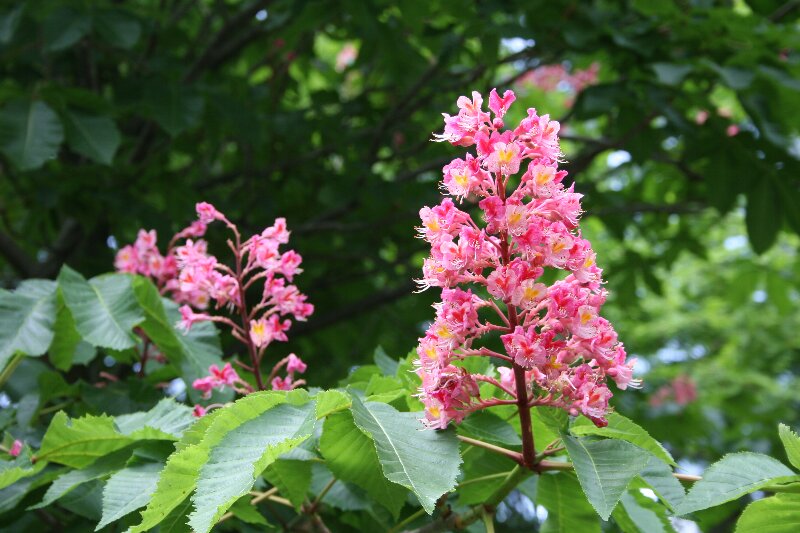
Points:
[(115, 116)]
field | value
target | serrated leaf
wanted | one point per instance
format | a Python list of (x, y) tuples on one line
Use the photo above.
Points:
[(192, 352), (242, 454), (95, 137), (79, 442), (27, 316), (104, 309), (426, 462), (86, 500), (331, 401), (568, 511), (791, 443), (637, 514), (69, 481), (30, 133), (128, 490), (168, 419), (484, 472), (734, 476), (182, 470), (248, 513), (66, 338), (620, 427), (604, 469), (777, 514), (16, 469), (351, 457), (658, 475), (487, 426), (292, 478)]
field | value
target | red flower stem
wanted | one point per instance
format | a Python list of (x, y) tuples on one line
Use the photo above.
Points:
[(528, 445), (251, 347), (492, 381)]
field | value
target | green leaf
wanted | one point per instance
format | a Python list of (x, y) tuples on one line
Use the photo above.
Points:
[(192, 352), (762, 218), (351, 456), (670, 73), (620, 427), (9, 22), (791, 443), (118, 28), (484, 472), (66, 338), (777, 514), (731, 477), (105, 308), (331, 401), (65, 27), (638, 514), (487, 426), (567, 508), (293, 479), (387, 365), (242, 454), (80, 441), (27, 316), (246, 512), (128, 490), (179, 476), (167, 420), (69, 481), (174, 108), (658, 475), (16, 469), (426, 462), (604, 469), (95, 137)]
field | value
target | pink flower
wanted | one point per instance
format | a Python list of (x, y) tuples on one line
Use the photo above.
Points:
[(189, 317), (346, 57), (207, 213), (282, 383), (499, 105), (732, 130), (295, 364), (225, 376), (16, 448), (199, 411), (205, 385)]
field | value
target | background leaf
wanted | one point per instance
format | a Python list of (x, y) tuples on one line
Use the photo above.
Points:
[(30, 133)]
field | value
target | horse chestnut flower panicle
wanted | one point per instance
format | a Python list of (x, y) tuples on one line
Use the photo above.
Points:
[(553, 335)]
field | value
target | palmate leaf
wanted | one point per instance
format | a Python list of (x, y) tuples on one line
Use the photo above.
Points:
[(179, 477), (734, 476), (27, 316), (567, 508), (658, 475), (127, 490), (242, 455), (487, 426), (604, 469), (95, 137), (104, 308), (168, 419), (777, 514), (638, 514), (351, 456), (426, 462), (620, 427)]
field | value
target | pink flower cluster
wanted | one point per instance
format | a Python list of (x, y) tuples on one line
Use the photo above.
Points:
[(294, 365), (681, 390), (552, 334), (219, 379), (142, 257)]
